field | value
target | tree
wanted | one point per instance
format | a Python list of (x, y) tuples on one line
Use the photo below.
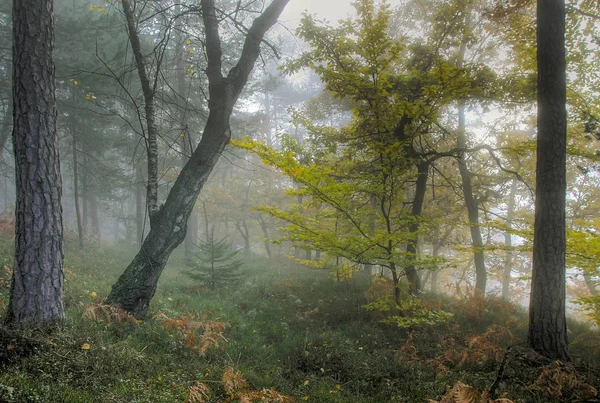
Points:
[(547, 319), (37, 284), (137, 285), (214, 264)]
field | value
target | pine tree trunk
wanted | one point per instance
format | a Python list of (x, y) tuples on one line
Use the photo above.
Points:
[(547, 320), (37, 284)]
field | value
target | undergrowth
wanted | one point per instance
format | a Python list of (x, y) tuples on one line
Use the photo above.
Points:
[(285, 333)]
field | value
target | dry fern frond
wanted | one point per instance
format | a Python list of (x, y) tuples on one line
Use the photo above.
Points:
[(233, 381), (462, 393), (198, 393), (188, 326), (263, 396), (557, 376), (104, 313), (408, 352)]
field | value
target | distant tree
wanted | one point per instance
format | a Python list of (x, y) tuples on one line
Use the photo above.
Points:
[(214, 264), (547, 320), (37, 284)]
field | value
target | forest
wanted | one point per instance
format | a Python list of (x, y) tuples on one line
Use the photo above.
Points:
[(244, 201)]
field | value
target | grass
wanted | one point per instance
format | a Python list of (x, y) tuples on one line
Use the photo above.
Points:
[(290, 328)]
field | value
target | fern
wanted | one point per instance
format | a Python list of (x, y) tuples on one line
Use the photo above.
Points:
[(462, 393), (104, 313), (188, 327)]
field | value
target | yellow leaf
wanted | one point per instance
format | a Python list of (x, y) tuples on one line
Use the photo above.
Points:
[(93, 293), (188, 42), (306, 382), (93, 7), (85, 346)]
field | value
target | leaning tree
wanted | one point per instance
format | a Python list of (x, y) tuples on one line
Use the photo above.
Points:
[(168, 223)]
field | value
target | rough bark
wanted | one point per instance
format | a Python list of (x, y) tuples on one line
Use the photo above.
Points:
[(508, 258), (547, 321), (137, 285), (37, 283)]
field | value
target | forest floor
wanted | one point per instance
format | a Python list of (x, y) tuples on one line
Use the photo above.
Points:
[(285, 330)]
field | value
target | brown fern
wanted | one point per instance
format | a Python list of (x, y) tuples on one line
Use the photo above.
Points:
[(198, 393), (189, 326), (104, 313), (462, 393), (557, 376)]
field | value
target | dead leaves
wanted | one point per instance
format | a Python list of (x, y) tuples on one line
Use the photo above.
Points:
[(462, 393), (190, 327), (237, 390)]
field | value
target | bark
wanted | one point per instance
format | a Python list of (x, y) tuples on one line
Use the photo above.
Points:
[(148, 92), (84, 196), (467, 188), (137, 285), (471, 204), (139, 206), (417, 208), (547, 321), (263, 227), (5, 130), (37, 283), (93, 206), (185, 136), (76, 187), (508, 259)]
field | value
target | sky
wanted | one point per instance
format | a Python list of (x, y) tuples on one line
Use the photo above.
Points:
[(332, 10)]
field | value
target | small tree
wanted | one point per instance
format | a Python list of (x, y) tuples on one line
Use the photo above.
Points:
[(214, 264)]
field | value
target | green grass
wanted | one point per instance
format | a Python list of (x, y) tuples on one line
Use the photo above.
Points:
[(291, 328)]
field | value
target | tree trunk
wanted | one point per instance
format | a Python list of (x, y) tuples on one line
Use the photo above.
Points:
[(151, 130), (76, 187), (37, 282), (508, 259), (137, 285), (547, 320), (471, 204), (140, 211), (263, 227), (5, 130), (93, 206), (84, 196), (417, 208)]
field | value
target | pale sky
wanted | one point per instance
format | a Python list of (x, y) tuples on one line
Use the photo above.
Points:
[(331, 10)]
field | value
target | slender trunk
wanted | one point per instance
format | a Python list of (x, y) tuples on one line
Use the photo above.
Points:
[(76, 187), (471, 204), (140, 210), (93, 206), (148, 92), (84, 195), (508, 259), (547, 319), (263, 227), (467, 188), (268, 119), (434, 274), (36, 294), (5, 130)]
